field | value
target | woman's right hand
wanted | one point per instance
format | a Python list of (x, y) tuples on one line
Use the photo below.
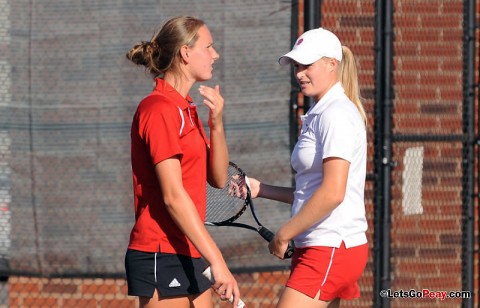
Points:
[(225, 284), (237, 187), (214, 101)]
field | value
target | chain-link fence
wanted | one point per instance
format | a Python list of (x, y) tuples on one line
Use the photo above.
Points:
[(67, 96), (427, 181)]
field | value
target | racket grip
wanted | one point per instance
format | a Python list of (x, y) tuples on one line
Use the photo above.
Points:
[(268, 236), (289, 252), (208, 274)]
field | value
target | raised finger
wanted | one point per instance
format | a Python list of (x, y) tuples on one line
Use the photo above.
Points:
[(207, 92)]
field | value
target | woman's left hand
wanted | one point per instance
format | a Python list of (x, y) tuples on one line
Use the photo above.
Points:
[(277, 247), (214, 101)]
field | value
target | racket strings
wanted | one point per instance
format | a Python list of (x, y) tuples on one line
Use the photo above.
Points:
[(228, 203)]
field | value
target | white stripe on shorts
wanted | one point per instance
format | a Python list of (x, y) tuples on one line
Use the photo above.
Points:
[(155, 267), (329, 265)]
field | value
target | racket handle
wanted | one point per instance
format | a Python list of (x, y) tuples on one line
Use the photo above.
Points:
[(268, 236), (289, 252), (208, 274)]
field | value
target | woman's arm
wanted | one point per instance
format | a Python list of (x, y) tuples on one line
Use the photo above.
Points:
[(183, 211), (325, 199), (217, 164), (277, 193)]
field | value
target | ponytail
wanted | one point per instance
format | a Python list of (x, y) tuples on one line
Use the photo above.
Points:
[(349, 80)]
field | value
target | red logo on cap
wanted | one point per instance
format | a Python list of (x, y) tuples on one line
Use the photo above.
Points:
[(300, 41)]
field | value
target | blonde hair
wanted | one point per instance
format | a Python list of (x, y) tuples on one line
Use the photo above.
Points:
[(349, 80), (162, 52)]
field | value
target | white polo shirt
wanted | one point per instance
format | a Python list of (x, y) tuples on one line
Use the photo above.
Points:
[(333, 127)]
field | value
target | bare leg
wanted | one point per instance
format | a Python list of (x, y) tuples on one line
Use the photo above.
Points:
[(293, 298), (203, 300)]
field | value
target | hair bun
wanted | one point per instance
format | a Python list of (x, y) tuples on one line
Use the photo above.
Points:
[(147, 46)]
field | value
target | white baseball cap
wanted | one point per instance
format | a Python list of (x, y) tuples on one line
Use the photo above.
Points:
[(313, 45)]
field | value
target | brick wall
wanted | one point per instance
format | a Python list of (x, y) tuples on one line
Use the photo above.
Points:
[(81, 293), (426, 249), (259, 290)]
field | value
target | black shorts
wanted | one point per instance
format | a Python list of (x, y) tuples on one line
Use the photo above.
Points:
[(171, 274)]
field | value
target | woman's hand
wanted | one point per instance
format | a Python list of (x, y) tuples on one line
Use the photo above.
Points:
[(237, 187), (225, 284), (214, 101), (278, 247), (254, 185)]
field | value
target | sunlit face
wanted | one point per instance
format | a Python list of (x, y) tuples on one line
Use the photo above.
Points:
[(202, 55), (317, 78)]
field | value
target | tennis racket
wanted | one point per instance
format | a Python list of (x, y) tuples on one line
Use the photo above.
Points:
[(225, 206)]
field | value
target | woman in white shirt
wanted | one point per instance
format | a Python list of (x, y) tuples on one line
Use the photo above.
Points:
[(328, 221)]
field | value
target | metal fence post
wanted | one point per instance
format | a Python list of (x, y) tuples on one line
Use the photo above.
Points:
[(468, 216), (383, 149), (312, 21)]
